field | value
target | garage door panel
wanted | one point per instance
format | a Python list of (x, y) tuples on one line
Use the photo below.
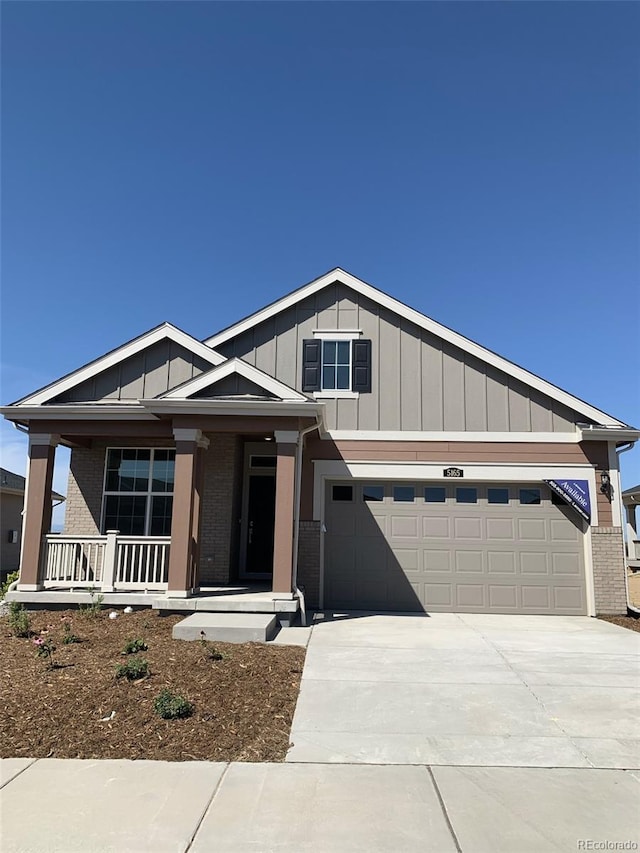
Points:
[(437, 561), (467, 528), (469, 561), (503, 597), (501, 562), (534, 563), (471, 595), (532, 529), (434, 527), (447, 555)]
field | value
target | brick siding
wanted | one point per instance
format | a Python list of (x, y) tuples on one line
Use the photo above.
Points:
[(309, 561), (609, 570), (220, 529)]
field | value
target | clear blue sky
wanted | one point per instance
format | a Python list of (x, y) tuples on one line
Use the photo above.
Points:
[(194, 161)]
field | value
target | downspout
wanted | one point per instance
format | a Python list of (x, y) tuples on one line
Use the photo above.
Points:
[(296, 518), (619, 452)]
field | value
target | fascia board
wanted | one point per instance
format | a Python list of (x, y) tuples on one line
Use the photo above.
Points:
[(166, 330), (423, 322), (229, 367), (97, 413)]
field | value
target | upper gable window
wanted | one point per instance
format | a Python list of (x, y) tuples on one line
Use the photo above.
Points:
[(336, 365)]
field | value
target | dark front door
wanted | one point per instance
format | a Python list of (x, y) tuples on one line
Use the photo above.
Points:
[(261, 513)]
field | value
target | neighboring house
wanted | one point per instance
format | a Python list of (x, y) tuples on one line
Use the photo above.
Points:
[(337, 441), (630, 500), (12, 489)]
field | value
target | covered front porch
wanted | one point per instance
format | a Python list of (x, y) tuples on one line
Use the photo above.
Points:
[(228, 485)]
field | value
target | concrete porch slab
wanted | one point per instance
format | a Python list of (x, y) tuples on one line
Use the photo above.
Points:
[(227, 627)]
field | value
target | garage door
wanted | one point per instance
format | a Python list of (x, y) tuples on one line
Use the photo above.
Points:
[(498, 548)]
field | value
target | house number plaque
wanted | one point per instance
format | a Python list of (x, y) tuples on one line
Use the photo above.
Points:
[(453, 472)]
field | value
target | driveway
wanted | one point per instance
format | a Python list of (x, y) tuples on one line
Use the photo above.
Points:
[(469, 690)]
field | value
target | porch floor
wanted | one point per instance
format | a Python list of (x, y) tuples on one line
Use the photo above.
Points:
[(218, 599)]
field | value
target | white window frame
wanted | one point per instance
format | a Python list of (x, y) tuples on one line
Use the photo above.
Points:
[(148, 494), (336, 335)]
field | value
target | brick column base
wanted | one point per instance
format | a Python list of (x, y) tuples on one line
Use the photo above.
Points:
[(609, 570), (309, 561)]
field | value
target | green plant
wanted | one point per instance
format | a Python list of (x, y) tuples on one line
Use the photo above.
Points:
[(19, 620), (91, 611), (68, 636), (4, 588), (134, 646), (171, 706), (210, 651), (45, 649), (133, 669)]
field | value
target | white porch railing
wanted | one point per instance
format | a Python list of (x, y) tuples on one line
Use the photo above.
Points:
[(107, 563)]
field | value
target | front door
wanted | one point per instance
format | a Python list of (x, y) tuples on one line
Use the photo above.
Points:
[(258, 530)]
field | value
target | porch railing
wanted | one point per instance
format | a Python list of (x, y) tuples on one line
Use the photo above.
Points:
[(108, 563)]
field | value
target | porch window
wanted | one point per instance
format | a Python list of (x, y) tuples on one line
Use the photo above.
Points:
[(138, 491)]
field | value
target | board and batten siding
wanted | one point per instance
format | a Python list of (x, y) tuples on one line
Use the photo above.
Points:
[(153, 371), (419, 382)]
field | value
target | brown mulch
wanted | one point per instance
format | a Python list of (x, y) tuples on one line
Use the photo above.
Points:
[(244, 703), (629, 622)]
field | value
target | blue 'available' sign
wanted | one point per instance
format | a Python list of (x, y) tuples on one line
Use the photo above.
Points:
[(575, 493)]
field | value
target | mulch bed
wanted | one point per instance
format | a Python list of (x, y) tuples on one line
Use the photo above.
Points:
[(629, 622), (243, 704)]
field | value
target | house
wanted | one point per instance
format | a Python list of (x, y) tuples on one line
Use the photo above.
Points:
[(12, 489), (630, 500), (336, 442)]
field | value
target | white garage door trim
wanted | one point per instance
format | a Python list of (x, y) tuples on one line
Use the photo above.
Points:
[(334, 469)]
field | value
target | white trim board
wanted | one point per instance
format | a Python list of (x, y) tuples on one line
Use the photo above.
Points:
[(160, 333), (240, 368), (423, 322), (414, 435)]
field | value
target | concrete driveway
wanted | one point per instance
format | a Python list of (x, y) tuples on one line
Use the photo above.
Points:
[(469, 690)]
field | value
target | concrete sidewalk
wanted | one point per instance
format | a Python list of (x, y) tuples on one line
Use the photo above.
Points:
[(56, 806)]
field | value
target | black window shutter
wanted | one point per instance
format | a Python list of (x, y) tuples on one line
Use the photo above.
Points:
[(311, 363), (361, 366)]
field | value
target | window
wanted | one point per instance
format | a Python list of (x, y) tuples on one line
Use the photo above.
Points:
[(262, 461), (466, 496), (138, 492), (435, 494), (529, 496), (373, 493), (498, 496), (340, 365), (404, 494), (342, 493)]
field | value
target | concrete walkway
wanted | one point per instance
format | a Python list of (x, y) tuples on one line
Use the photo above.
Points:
[(55, 806), (470, 690)]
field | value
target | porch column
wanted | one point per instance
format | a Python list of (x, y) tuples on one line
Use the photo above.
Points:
[(185, 517), (37, 508), (285, 495)]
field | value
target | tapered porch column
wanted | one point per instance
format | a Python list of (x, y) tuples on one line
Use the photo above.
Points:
[(185, 517), (37, 508), (285, 495)]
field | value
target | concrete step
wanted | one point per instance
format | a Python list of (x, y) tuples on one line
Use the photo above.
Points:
[(227, 627)]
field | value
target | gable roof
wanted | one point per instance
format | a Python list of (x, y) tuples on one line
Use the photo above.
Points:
[(17, 484), (159, 333), (234, 366), (422, 321)]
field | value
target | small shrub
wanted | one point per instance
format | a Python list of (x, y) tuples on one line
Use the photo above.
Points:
[(171, 706), (210, 651), (133, 669), (91, 611), (19, 620), (67, 635), (4, 588), (134, 646), (45, 649)]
